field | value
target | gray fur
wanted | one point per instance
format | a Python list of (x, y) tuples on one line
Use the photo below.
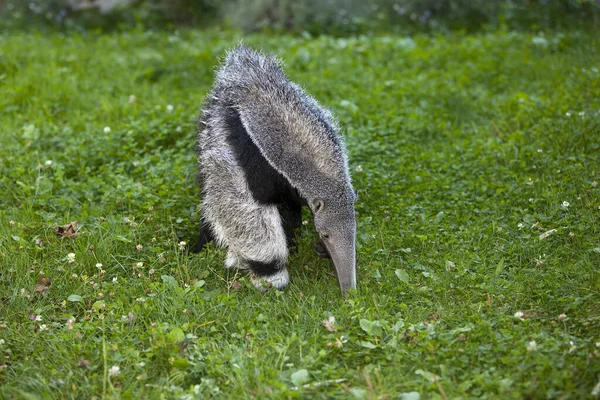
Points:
[(299, 139)]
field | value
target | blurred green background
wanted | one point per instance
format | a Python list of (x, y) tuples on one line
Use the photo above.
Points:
[(314, 17)]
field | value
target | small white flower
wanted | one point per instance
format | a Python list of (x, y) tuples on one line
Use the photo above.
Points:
[(582, 113), (115, 280), (99, 265), (114, 371), (169, 107), (594, 184), (132, 99), (12, 223), (43, 327), (540, 150), (139, 265), (359, 168), (71, 257), (532, 346), (339, 342), (531, 199), (562, 317), (182, 245), (107, 129), (151, 272), (565, 204), (520, 225), (597, 344), (568, 114), (304, 222), (48, 163), (2, 342), (139, 247), (519, 314)]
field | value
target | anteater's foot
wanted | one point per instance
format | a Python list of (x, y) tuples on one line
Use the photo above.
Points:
[(278, 280)]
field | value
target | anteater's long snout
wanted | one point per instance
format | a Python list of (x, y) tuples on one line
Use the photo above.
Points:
[(343, 254)]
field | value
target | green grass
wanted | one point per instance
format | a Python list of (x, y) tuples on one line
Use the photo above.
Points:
[(462, 150)]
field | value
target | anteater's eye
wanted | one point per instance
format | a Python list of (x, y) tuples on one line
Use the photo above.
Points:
[(318, 205), (325, 236)]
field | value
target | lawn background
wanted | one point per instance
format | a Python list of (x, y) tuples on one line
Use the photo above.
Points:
[(465, 149)]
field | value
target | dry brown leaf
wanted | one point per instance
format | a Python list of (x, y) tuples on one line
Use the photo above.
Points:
[(547, 233), (43, 289), (67, 231), (329, 324)]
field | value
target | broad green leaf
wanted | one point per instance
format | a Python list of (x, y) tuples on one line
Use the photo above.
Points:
[(359, 393), (177, 335), (500, 266), (75, 298), (373, 328), (409, 396), (431, 377), (169, 281), (402, 275), (300, 377), (368, 345)]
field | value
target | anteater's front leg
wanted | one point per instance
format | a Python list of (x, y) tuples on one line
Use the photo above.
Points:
[(260, 243)]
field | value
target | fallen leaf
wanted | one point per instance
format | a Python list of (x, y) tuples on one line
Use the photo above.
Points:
[(67, 231), (547, 233), (41, 289), (329, 324)]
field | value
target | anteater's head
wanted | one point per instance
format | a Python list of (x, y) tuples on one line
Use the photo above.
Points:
[(336, 224)]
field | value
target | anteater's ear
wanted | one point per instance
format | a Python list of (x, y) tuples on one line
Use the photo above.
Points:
[(318, 205)]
